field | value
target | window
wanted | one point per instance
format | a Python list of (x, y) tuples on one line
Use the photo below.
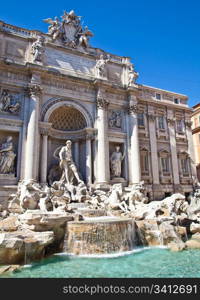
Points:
[(145, 162), (161, 123), (141, 119), (165, 164), (176, 100), (184, 166), (158, 96), (179, 125)]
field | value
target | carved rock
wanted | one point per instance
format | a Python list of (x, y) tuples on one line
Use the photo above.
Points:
[(22, 247)]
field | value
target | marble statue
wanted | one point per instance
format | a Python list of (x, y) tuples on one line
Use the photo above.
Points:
[(115, 201), (69, 31), (116, 162), (8, 104), (7, 157), (37, 49), (115, 119), (54, 30), (67, 165), (132, 75), (101, 66), (83, 37)]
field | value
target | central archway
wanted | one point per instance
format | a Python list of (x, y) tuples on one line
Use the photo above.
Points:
[(71, 120)]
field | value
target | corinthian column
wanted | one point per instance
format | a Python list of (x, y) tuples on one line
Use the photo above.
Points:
[(88, 159), (175, 167), (134, 156), (103, 145), (44, 152), (31, 157)]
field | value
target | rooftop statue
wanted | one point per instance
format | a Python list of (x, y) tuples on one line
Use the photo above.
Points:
[(132, 75), (69, 31)]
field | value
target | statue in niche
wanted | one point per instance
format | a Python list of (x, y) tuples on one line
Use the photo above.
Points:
[(67, 165), (115, 119), (116, 162), (7, 157), (8, 103), (132, 75), (37, 49), (101, 66)]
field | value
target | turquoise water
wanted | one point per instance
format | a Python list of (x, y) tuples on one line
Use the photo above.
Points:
[(140, 263)]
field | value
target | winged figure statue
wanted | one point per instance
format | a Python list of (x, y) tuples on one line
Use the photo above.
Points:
[(55, 27)]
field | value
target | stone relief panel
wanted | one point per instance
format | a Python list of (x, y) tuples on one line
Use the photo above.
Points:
[(15, 49), (115, 73), (8, 154), (115, 119), (70, 63), (10, 103)]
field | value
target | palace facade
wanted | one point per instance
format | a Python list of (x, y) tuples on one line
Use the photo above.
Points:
[(56, 87), (196, 136)]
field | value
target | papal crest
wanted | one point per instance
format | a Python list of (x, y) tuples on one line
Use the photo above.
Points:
[(69, 30)]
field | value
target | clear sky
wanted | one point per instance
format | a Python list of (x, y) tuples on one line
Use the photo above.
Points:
[(162, 37)]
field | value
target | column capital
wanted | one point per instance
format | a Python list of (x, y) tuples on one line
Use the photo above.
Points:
[(45, 131), (133, 108), (188, 123), (171, 121), (151, 116), (102, 102), (34, 90)]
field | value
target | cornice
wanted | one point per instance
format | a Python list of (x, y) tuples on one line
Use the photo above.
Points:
[(165, 104)]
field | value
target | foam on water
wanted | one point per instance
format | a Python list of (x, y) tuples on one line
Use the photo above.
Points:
[(111, 255)]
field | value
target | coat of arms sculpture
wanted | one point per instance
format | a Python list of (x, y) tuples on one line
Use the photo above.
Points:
[(69, 30)]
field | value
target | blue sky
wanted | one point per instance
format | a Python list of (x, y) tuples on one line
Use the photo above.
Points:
[(162, 37)]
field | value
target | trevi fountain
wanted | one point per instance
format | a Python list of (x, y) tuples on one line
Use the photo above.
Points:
[(87, 202)]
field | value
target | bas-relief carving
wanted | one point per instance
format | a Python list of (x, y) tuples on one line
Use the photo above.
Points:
[(37, 49), (7, 157), (69, 31), (15, 49), (116, 162), (115, 119), (9, 103)]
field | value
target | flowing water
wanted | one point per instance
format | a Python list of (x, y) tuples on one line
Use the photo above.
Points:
[(141, 263)]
